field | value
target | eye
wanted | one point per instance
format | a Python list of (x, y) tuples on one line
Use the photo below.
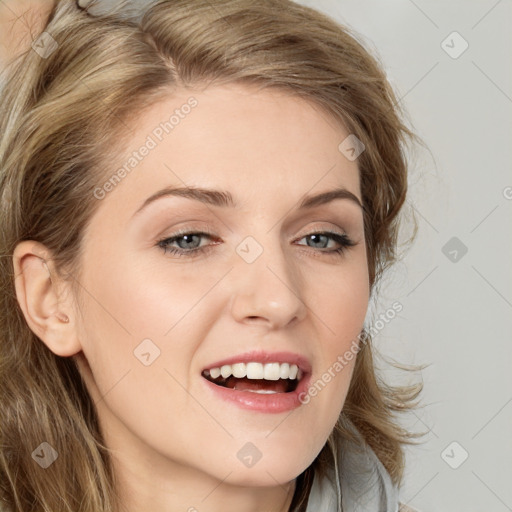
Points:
[(188, 243), (320, 238)]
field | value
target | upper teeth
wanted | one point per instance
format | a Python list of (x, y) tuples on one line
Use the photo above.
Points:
[(268, 371)]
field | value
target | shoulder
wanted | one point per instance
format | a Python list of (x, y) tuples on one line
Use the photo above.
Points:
[(405, 508)]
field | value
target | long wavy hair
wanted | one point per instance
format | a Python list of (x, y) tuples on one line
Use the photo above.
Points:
[(63, 122)]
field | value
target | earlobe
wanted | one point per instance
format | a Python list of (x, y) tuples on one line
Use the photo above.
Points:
[(38, 291)]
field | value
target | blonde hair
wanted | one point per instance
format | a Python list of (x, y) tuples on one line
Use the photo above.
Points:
[(64, 120)]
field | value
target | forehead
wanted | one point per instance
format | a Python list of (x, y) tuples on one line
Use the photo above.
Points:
[(253, 142)]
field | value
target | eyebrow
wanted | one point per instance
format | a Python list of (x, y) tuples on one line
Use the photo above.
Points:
[(223, 198)]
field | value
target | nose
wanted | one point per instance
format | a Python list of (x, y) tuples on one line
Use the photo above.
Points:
[(268, 291)]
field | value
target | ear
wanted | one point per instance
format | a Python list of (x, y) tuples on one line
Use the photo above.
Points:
[(39, 291)]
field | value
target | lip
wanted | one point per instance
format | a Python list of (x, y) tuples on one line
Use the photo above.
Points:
[(271, 403)]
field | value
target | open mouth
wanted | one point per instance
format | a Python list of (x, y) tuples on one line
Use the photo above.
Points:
[(255, 377)]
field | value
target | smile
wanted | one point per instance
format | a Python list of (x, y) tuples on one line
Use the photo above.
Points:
[(262, 378)]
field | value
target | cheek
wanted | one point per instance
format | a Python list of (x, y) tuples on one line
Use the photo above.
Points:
[(340, 303), (340, 299), (132, 301), (119, 313), (141, 299)]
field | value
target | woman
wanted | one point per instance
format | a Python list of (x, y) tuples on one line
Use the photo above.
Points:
[(198, 202)]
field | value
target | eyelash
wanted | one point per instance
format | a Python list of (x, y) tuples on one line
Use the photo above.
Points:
[(340, 238)]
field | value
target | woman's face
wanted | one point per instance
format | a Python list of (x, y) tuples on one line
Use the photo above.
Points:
[(258, 288)]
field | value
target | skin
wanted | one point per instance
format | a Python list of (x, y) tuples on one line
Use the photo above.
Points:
[(175, 443), (20, 22)]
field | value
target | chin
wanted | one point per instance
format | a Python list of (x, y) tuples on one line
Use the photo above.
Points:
[(265, 474)]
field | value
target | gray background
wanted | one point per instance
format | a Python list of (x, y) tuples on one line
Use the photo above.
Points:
[(456, 314)]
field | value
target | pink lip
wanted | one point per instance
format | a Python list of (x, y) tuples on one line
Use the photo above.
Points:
[(265, 357), (271, 403)]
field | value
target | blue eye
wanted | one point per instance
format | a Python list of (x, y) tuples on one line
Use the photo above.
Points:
[(189, 243), (342, 240)]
